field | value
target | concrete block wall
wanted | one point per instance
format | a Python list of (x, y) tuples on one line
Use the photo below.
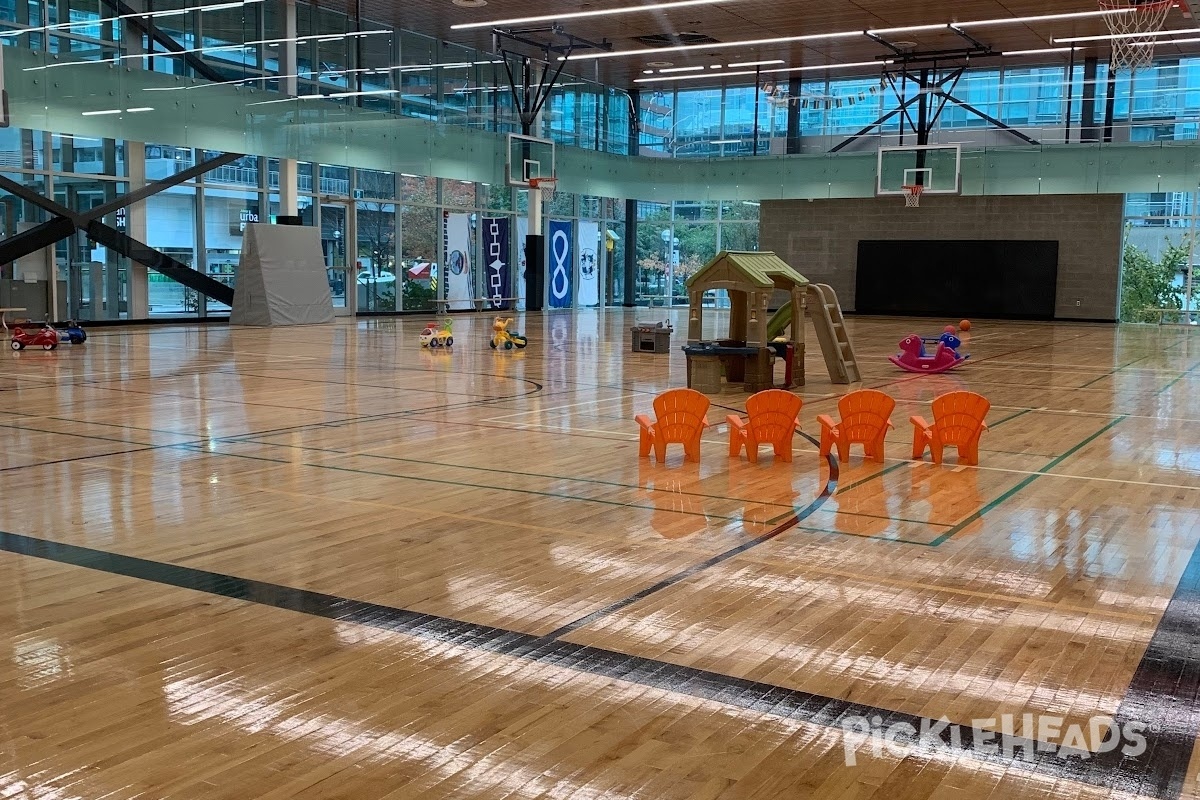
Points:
[(820, 238)]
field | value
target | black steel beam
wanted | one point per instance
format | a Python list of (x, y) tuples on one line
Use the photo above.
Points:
[(864, 131), (130, 17), (39, 200), (985, 116), (67, 222), (159, 262), (34, 239), (154, 188)]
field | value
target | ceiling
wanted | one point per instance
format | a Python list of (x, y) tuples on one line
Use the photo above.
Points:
[(758, 19)]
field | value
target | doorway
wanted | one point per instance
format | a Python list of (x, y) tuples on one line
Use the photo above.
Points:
[(337, 236)]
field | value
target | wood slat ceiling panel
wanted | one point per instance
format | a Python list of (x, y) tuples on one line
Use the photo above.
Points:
[(757, 19)]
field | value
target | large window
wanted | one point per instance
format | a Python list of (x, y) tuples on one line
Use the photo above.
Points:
[(1159, 257)]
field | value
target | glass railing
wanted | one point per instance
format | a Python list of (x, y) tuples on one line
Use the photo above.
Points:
[(375, 67)]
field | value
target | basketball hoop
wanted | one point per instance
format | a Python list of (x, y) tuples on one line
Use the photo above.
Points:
[(546, 185), (1134, 23), (912, 195)]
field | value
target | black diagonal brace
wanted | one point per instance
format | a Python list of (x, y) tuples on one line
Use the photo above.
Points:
[(34, 239), (67, 222), (159, 262), (150, 189), (129, 16)]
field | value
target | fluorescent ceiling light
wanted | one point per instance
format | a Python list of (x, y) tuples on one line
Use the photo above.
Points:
[(138, 110), (99, 113), (679, 69), (909, 29), (755, 63), (842, 34), (1111, 36), (135, 15), (692, 77), (814, 68), (1041, 18), (1190, 40), (811, 37), (1040, 51), (726, 141), (500, 23), (715, 66)]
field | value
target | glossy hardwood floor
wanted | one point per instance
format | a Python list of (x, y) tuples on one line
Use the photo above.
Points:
[(323, 562)]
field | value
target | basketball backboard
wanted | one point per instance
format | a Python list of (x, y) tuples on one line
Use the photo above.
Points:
[(529, 157), (935, 167)]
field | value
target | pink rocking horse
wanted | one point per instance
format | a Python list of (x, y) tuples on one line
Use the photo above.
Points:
[(912, 357)]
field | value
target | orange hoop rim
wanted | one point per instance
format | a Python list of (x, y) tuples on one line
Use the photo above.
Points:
[(542, 183), (912, 194)]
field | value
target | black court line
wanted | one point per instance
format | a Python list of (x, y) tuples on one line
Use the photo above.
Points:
[(1158, 771), (796, 518)]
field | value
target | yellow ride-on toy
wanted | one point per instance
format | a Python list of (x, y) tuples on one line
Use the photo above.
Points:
[(438, 334), (501, 337)]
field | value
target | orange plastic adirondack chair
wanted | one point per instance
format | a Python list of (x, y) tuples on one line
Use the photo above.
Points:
[(680, 417), (958, 421), (774, 419), (865, 419)]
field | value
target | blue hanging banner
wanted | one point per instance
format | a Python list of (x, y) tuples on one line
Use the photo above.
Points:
[(561, 263)]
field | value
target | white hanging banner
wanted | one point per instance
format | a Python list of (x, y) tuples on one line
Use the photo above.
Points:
[(522, 233), (588, 293), (458, 261)]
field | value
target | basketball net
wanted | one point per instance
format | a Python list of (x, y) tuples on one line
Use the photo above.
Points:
[(546, 185), (1135, 23), (912, 196)]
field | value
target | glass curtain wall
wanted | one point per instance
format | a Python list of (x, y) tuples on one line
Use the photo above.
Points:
[(674, 240), (1159, 258), (1155, 104)]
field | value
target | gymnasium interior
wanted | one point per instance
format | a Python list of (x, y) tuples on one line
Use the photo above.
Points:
[(600, 399)]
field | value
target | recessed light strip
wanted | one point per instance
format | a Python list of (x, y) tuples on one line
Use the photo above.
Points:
[(1042, 18), (680, 69), (1111, 36), (1040, 51), (502, 23), (755, 63), (813, 68), (841, 35), (87, 23), (811, 37)]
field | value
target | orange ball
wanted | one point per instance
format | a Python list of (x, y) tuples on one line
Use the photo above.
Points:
[(949, 329), (965, 325)]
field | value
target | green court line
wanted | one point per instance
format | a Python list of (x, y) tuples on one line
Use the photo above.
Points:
[(1179, 377), (1112, 372), (1024, 483), (484, 487), (527, 473), (894, 468)]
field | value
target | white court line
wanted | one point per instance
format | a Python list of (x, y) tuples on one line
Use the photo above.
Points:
[(556, 408), (963, 467), (1101, 414)]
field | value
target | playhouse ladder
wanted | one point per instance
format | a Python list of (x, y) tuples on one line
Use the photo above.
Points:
[(831, 333)]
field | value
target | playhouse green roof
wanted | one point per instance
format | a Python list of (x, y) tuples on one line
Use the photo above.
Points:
[(763, 270)]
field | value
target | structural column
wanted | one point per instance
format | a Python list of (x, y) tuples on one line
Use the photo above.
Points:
[(793, 116), (630, 265), (135, 226), (1087, 104), (289, 199), (135, 214)]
